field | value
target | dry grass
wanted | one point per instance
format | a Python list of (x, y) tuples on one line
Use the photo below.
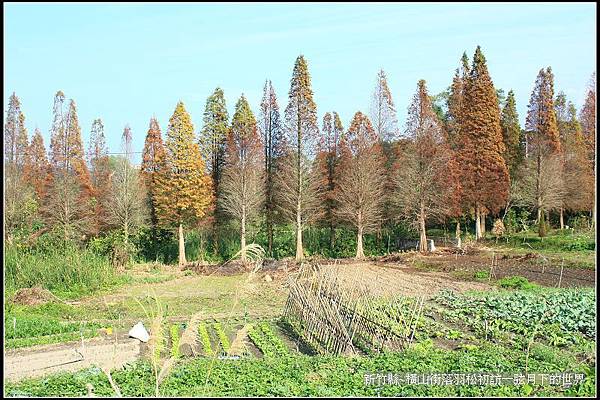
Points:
[(188, 342), (238, 346)]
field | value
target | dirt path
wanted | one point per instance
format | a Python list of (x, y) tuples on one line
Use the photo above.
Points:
[(41, 360)]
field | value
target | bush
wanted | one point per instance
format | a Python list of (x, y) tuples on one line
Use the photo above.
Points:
[(510, 221), (113, 245), (156, 245), (516, 282), (580, 243), (580, 223), (482, 275), (498, 229)]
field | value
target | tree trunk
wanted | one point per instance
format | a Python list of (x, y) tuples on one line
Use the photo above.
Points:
[(270, 236), (562, 220), (299, 249), (422, 233), (359, 244), (243, 239), (182, 260), (477, 224), (542, 225), (482, 221), (201, 246), (126, 232), (458, 242), (331, 237)]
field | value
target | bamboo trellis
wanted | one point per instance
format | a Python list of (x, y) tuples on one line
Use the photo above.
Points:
[(334, 316)]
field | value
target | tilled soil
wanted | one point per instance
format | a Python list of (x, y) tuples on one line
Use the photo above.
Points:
[(401, 279), (532, 266)]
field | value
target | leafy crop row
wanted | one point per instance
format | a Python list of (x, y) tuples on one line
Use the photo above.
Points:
[(205, 339), (267, 341), (561, 313), (323, 376), (35, 326), (174, 333), (223, 339)]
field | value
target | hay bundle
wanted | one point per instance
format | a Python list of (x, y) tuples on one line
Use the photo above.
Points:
[(188, 344), (33, 296)]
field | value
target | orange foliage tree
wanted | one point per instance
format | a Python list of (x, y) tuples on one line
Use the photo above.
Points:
[(484, 175), (427, 183), (359, 194), (183, 189)]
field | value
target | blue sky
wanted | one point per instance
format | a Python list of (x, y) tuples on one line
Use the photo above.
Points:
[(125, 63)]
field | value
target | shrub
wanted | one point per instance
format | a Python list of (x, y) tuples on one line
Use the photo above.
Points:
[(482, 275), (498, 229), (510, 221), (516, 282)]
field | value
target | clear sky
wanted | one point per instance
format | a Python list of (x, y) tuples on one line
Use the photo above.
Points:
[(125, 63)]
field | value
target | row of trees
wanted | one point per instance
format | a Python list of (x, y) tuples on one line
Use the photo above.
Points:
[(76, 196), (467, 156)]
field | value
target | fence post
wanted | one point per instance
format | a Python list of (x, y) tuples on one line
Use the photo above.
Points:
[(492, 267), (543, 267), (562, 265)]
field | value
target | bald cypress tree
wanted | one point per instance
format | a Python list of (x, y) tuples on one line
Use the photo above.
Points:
[(512, 135), (184, 190), (484, 175), (578, 172), (456, 100), (153, 157), (383, 111), (127, 207), (426, 180), (242, 188), (37, 168), (588, 126), (17, 196), (542, 129), (360, 187), (69, 206), (588, 119), (99, 172), (153, 162), (15, 134), (327, 161), (213, 138), (544, 189), (297, 179), (271, 131)]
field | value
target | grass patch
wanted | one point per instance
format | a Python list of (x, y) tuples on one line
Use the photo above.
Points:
[(420, 264), (69, 272), (578, 250), (23, 330), (481, 275), (50, 339), (154, 279)]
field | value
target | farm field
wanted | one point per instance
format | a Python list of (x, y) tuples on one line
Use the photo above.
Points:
[(299, 200), (468, 321)]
